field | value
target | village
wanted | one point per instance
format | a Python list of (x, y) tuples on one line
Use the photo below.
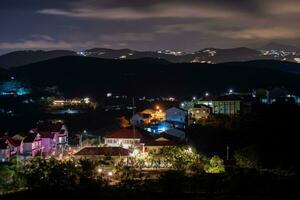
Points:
[(139, 140)]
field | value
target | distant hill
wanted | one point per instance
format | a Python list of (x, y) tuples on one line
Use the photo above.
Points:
[(271, 51), (280, 47), (18, 58), (87, 75)]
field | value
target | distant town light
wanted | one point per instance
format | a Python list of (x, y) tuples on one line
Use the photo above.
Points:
[(109, 173), (182, 104), (108, 94), (99, 170), (230, 91), (86, 100), (194, 98), (190, 149), (206, 94), (157, 107)]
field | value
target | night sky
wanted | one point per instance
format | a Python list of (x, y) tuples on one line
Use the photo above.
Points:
[(147, 24)]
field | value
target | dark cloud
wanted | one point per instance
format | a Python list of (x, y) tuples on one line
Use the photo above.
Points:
[(146, 24)]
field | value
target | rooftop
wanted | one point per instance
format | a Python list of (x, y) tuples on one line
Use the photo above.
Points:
[(102, 151)]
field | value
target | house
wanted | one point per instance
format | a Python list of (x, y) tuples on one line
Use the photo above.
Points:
[(179, 134), (126, 138), (4, 150), (95, 153), (198, 112), (137, 119), (227, 104), (148, 116), (49, 141), (160, 141), (175, 114), (32, 144), (54, 134), (9, 147)]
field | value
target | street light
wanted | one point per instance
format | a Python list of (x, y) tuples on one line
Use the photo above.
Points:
[(109, 173), (99, 170)]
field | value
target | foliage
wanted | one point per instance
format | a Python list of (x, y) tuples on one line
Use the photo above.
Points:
[(247, 158), (215, 165), (11, 177), (176, 157), (60, 175)]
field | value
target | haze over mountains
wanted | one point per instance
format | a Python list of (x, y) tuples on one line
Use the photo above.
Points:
[(271, 51)]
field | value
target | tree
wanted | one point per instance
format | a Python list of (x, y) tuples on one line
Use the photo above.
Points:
[(247, 157), (176, 157), (215, 165)]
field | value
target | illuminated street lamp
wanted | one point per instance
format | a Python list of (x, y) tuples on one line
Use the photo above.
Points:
[(109, 173), (100, 170), (230, 91), (194, 98), (206, 94)]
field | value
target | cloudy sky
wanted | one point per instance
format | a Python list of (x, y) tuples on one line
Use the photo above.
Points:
[(187, 25)]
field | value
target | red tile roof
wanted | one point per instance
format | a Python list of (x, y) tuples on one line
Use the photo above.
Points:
[(161, 143), (125, 133), (102, 151)]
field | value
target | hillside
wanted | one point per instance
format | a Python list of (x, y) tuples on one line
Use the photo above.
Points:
[(18, 58), (87, 75)]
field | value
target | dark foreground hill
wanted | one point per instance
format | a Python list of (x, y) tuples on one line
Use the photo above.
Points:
[(87, 75)]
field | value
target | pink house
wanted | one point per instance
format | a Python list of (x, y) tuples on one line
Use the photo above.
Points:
[(9, 147), (4, 150), (54, 135)]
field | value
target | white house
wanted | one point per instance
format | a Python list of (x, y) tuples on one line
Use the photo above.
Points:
[(125, 138)]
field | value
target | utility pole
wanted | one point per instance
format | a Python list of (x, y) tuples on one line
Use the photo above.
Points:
[(227, 152), (133, 113), (99, 141)]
